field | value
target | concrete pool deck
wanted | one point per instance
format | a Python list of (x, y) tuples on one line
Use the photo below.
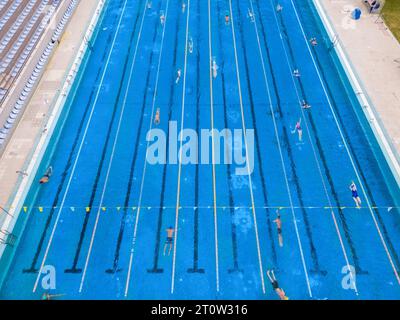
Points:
[(374, 52), (33, 125)]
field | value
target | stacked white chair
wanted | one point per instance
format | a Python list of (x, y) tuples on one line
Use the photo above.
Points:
[(29, 86)]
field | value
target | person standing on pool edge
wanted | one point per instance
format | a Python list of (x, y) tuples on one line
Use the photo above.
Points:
[(278, 223), (354, 194), (169, 241), (279, 291)]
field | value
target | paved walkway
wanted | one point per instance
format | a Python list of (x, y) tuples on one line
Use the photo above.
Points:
[(375, 54), (32, 124)]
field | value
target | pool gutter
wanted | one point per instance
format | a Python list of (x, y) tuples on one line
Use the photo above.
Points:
[(369, 110)]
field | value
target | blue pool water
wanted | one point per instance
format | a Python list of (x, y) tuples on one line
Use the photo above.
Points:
[(101, 220)]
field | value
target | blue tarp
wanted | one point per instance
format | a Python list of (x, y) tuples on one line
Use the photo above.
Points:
[(356, 14)]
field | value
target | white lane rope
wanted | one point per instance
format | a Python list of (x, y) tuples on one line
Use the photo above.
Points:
[(80, 147)]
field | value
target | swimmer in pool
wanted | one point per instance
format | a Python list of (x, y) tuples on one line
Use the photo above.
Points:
[(190, 45), (169, 240), (149, 4), (214, 68), (313, 42), (299, 130), (227, 18), (279, 8), (178, 76), (305, 105), (279, 291), (354, 194), (296, 73), (250, 14), (46, 176), (278, 223), (157, 117), (47, 296), (183, 6)]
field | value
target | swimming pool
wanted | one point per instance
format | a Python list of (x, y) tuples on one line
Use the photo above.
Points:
[(100, 223)]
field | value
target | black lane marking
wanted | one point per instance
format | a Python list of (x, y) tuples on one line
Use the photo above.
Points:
[(74, 268), (235, 267), (328, 175), (155, 268), (358, 165), (195, 268), (314, 256), (117, 251), (32, 268), (259, 158)]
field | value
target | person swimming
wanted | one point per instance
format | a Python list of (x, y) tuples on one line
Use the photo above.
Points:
[(157, 117), (279, 8), (296, 73), (250, 14), (279, 291), (162, 18), (227, 18), (48, 296), (149, 5), (46, 176), (214, 68), (354, 194), (305, 105), (183, 6), (190, 45), (278, 223), (299, 130), (313, 42), (169, 241), (178, 75)]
